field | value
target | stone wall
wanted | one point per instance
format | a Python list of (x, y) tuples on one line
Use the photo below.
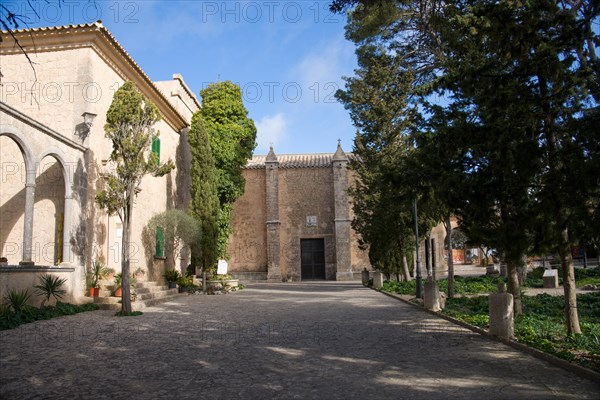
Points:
[(248, 251), (305, 192), (82, 76), (289, 198)]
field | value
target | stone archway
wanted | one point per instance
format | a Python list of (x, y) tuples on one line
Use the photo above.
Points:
[(49, 211), (15, 160)]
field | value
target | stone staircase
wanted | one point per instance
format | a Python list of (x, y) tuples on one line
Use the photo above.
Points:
[(148, 294)]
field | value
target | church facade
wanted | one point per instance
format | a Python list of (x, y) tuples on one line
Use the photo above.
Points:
[(293, 221)]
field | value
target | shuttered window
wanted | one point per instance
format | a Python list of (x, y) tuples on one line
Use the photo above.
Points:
[(156, 147)]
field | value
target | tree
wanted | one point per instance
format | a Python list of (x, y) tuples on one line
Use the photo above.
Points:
[(526, 71), (180, 230), (232, 138), (129, 125), (516, 131), (379, 104), (204, 204)]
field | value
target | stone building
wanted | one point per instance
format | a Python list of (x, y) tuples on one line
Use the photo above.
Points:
[(293, 221), (53, 153)]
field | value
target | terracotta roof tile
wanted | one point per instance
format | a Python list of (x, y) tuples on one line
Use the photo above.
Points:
[(315, 160)]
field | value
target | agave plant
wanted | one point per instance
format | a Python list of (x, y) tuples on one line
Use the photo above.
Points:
[(17, 299), (50, 286)]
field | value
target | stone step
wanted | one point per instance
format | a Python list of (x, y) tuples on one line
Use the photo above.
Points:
[(146, 284), (151, 289), (106, 300), (138, 304), (148, 294), (156, 295), (141, 305)]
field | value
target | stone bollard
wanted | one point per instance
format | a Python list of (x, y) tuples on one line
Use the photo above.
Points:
[(432, 295), (503, 269), (377, 280), (550, 278), (501, 313), (365, 277), (491, 270)]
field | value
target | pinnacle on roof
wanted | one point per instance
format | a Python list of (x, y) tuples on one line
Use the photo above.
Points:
[(271, 157), (339, 153)]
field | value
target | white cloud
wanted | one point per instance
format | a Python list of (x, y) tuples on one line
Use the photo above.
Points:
[(327, 63), (271, 129)]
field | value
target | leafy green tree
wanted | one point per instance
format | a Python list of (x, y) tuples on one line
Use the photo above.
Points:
[(516, 132), (520, 67), (232, 138), (180, 230), (129, 125), (379, 104), (204, 205)]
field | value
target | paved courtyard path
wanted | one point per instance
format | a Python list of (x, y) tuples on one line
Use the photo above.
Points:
[(273, 341)]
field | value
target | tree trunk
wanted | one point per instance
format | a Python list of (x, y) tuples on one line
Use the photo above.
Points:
[(448, 226), (564, 244), (513, 286), (522, 270), (125, 259), (405, 270), (568, 273)]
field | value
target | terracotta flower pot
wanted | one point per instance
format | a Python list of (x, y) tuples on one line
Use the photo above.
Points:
[(118, 291), (94, 292)]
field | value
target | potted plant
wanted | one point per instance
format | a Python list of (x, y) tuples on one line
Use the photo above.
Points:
[(118, 285), (171, 276), (97, 272), (185, 282), (118, 289)]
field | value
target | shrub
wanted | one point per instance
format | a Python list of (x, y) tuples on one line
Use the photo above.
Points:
[(185, 281), (17, 300), (171, 275), (51, 286)]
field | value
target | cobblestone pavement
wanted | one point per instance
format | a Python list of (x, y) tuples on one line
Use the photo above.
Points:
[(281, 341)]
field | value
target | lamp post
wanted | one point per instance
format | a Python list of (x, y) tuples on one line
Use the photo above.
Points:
[(419, 279)]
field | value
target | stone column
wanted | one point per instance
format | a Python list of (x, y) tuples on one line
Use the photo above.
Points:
[(67, 256), (342, 216), (272, 211), (28, 218)]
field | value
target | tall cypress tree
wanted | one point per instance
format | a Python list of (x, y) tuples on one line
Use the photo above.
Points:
[(204, 204)]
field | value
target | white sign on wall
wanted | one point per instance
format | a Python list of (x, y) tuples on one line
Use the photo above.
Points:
[(222, 267)]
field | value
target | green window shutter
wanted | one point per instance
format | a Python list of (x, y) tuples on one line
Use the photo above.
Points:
[(156, 147), (160, 242)]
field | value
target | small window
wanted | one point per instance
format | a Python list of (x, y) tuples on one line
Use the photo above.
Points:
[(160, 243), (156, 147)]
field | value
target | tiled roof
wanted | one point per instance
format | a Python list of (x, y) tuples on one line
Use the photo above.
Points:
[(316, 160)]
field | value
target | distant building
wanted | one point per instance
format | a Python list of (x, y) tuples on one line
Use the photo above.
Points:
[(293, 221)]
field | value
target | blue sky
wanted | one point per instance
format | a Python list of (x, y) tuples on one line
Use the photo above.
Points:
[(287, 56)]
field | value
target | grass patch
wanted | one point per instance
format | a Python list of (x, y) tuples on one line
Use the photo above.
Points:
[(542, 324), (129, 314), (12, 319), (462, 285), (583, 277), (489, 284)]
